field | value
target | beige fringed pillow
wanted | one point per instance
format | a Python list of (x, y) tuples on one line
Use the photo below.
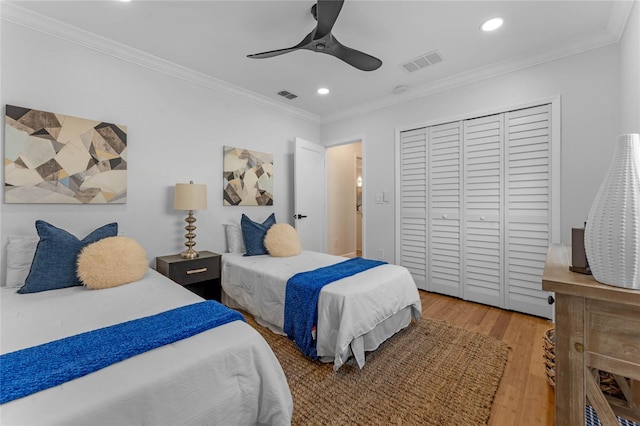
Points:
[(282, 240), (111, 262)]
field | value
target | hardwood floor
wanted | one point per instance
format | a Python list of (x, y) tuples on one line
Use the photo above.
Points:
[(524, 397)]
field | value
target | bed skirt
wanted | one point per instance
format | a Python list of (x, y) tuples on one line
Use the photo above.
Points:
[(367, 342)]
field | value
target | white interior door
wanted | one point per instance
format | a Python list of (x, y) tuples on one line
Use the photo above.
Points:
[(310, 195)]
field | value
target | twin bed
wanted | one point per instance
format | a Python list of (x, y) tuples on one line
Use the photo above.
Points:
[(355, 314), (224, 375)]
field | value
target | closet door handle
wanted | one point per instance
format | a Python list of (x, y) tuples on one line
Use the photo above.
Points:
[(481, 217), (444, 216)]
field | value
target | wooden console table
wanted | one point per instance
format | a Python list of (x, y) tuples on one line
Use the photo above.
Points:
[(597, 327)]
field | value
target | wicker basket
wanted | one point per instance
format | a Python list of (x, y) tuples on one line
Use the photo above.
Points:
[(549, 356), (608, 384)]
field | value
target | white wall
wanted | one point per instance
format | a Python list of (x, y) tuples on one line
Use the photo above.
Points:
[(589, 87), (176, 133), (630, 73), (177, 130), (341, 198)]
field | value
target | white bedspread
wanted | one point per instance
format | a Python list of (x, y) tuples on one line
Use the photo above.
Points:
[(227, 375), (347, 309)]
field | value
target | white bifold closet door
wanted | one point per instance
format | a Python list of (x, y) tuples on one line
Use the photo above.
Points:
[(483, 200), (445, 195), (413, 204), (475, 208), (528, 208)]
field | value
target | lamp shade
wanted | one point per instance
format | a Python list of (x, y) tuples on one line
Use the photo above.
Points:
[(190, 196)]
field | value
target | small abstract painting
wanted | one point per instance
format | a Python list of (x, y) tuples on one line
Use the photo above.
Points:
[(60, 159), (247, 177)]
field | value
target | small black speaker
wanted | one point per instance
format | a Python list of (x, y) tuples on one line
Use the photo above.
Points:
[(579, 262)]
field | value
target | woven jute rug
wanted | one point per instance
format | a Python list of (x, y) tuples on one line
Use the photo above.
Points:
[(431, 373)]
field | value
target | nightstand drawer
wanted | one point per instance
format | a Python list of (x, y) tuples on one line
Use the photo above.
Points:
[(194, 271), (190, 271)]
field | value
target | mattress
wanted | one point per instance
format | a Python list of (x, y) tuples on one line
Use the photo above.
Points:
[(226, 375), (355, 314)]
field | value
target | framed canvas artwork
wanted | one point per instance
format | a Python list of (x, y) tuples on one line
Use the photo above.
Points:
[(60, 159), (247, 177)]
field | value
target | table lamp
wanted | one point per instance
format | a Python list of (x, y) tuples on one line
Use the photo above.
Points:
[(190, 196)]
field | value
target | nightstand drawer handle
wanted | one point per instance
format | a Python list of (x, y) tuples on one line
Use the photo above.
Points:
[(196, 271)]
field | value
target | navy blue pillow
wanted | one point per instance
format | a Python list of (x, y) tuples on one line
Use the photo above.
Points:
[(253, 234), (54, 262)]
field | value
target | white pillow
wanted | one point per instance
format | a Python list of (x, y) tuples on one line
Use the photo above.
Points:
[(20, 252), (235, 243)]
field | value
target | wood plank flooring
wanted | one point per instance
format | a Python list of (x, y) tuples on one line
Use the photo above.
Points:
[(524, 397)]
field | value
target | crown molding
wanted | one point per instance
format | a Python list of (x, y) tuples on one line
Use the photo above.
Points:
[(10, 12), (620, 12), (619, 17)]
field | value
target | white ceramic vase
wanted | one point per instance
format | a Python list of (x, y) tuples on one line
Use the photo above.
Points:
[(612, 235)]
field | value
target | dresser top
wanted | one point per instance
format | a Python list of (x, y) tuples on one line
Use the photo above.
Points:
[(558, 278)]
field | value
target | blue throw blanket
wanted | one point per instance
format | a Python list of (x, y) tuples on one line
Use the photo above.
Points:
[(301, 299), (41, 367)]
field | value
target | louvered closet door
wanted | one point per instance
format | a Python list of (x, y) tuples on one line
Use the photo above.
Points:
[(444, 177), (413, 204), (528, 134), (483, 207)]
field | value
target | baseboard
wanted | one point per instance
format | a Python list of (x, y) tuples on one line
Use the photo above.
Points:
[(352, 254)]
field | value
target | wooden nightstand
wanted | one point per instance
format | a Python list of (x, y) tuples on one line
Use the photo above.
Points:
[(200, 275)]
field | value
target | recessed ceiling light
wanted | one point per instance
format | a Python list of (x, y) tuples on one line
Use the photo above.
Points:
[(323, 91), (492, 24), (125, 1)]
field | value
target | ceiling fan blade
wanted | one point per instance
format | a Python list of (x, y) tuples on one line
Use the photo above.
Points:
[(308, 39), (272, 53), (353, 57), (326, 12)]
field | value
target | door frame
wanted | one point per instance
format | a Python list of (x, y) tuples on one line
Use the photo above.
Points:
[(555, 161), (355, 165), (347, 141)]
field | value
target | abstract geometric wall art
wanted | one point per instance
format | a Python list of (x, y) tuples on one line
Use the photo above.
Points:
[(60, 159), (247, 177)]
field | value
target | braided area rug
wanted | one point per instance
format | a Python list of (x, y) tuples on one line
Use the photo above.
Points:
[(431, 373)]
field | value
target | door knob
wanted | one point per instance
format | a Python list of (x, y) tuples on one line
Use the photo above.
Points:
[(299, 216)]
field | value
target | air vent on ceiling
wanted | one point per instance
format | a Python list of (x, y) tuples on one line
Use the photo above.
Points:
[(287, 95), (422, 61)]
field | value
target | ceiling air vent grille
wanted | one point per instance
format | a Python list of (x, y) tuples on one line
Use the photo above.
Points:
[(287, 95), (422, 61)]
